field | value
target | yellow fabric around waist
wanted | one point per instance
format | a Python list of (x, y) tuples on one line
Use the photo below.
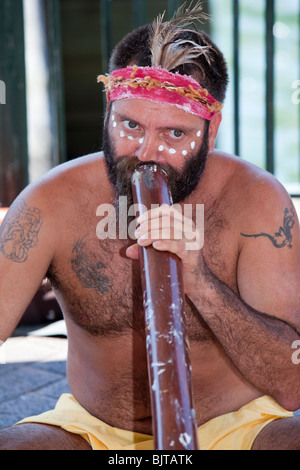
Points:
[(232, 431)]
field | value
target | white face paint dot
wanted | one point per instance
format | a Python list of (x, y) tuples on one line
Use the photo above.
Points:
[(141, 140), (161, 148), (130, 137), (122, 134), (113, 117), (193, 144), (184, 152), (198, 133), (114, 124), (172, 151)]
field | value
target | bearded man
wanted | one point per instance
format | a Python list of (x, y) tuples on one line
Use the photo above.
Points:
[(165, 90)]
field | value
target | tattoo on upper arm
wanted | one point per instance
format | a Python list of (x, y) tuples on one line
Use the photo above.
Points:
[(284, 235), (19, 232), (88, 271)]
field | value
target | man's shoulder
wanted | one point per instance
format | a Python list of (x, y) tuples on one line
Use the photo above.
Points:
[(244, 179), (73, 176), (70, 185), (257, 201), (244, 189), (78, 168)]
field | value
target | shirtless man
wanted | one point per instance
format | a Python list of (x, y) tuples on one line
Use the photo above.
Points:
[(242, 287)]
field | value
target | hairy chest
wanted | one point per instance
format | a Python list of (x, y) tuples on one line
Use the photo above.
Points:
[(99, 288)]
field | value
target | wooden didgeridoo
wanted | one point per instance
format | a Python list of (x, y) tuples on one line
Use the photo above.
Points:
[(169, 369)]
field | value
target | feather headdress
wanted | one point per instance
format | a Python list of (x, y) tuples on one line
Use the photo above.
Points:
[(161, 82), (167, 50)]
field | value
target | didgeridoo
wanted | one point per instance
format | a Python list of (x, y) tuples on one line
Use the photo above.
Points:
[(169, 369)]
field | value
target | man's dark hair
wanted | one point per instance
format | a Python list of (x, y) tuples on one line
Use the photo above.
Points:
[(211, 74)]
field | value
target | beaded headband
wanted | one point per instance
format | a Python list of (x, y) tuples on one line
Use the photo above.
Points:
[(157, 84)]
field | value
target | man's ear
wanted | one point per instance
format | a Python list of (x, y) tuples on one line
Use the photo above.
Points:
[(213, 130)]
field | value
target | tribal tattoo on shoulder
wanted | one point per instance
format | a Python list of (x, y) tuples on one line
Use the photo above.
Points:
[(283, 237), (19, 232)]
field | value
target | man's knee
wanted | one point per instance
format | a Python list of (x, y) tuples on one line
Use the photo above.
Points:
[(8, 439), (33, 436), (282, 434)]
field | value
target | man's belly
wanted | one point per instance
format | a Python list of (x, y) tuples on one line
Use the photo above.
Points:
[(109, 378)]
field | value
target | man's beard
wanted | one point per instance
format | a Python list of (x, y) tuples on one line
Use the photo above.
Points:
[(182, 184)]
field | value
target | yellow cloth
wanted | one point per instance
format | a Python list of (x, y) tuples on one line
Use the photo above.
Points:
[(232, 431)]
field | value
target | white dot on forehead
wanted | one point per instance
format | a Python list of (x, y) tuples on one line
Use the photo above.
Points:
[(161, 148), (184, 152), (172, 151), (198, 133), (193, 144)]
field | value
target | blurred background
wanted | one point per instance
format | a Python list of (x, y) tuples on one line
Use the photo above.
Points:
[(52, 109)]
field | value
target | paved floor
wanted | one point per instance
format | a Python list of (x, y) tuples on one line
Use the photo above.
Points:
[(32, 376)]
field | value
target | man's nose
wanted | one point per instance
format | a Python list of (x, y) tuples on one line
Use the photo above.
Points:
[(147, 149)]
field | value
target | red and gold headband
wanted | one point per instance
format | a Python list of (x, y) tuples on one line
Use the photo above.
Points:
[(157, 84)]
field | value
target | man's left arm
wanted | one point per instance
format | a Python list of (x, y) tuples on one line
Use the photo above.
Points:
[(258, 326), (259, 344)]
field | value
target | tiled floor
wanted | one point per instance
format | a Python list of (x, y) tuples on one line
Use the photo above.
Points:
[(32, 376)]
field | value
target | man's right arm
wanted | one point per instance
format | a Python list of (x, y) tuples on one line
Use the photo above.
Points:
[(27, 241)]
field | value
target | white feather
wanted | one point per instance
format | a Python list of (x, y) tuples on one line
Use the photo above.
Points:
[(167, 50)]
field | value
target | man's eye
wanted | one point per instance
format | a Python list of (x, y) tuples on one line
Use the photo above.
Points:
[(131, 125), (176, 133)]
